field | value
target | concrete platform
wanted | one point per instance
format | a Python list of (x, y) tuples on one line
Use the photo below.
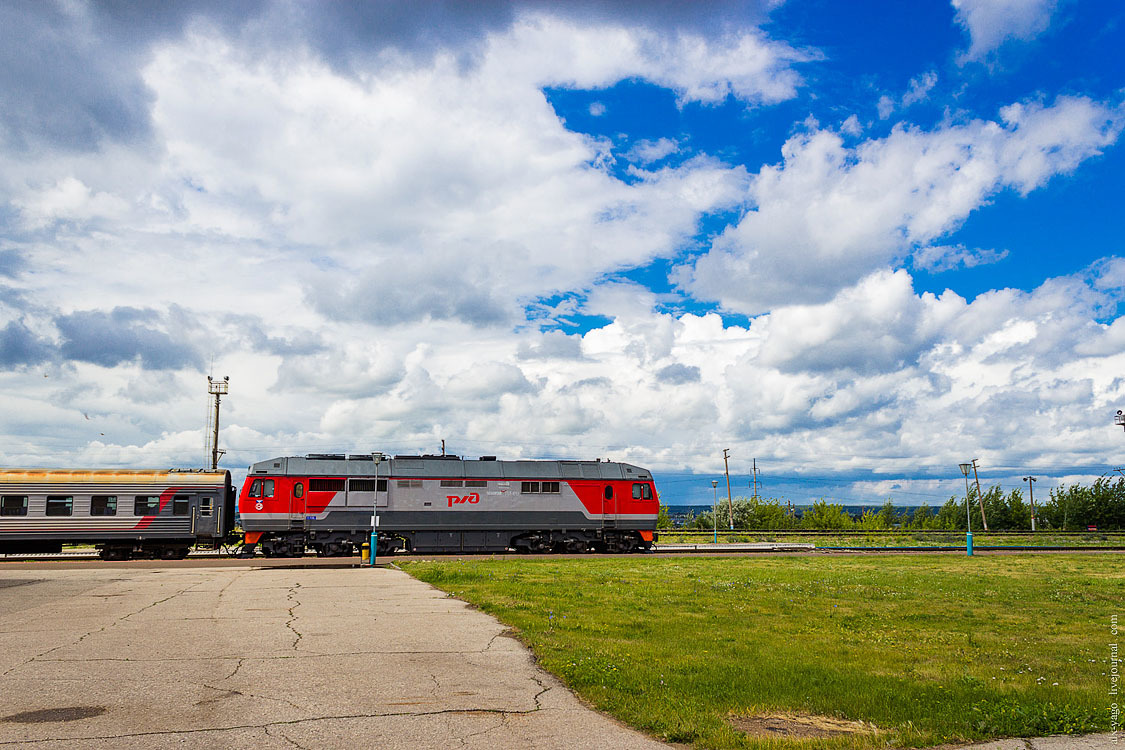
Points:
[(270, 658)]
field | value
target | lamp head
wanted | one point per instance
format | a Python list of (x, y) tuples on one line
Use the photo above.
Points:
[(965, 468), (714, 482)]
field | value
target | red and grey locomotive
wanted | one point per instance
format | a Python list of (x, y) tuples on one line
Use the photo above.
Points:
[(329, 502)]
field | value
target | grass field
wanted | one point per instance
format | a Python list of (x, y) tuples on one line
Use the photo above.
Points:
[(927, 649)]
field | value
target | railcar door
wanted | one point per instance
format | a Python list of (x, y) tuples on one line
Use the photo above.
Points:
[(206, 516), (609, 507), (296, 492)]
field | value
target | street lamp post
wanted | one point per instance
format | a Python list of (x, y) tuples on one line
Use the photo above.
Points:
[(1031, 492), (715, 509), (377, 457), (965, 468)]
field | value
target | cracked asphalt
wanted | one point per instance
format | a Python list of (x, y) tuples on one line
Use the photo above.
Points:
[(274, 658)]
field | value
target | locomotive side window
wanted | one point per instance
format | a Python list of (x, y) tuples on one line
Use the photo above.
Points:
[(642, 492), (146, 505), (405, 483), (529, 488), (60, 505), (452, 483), (298, 490), (267, 488), (256, 488), (103, 505), (206, 506), (180, 505), (326, 485), (476, 483), (550, 487), (609, 492), (13, 505)]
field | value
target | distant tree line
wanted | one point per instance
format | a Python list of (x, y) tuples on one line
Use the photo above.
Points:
[(1072, 508)]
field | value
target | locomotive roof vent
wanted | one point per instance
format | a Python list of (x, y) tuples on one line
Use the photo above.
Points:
[(444, 457), (360, 457), (402, 458), (325, 456), (488, 458)]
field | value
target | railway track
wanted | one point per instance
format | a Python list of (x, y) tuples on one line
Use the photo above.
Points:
[(662, 549)]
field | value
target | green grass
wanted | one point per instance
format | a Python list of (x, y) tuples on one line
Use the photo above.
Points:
[(928, 649), (902, 539)]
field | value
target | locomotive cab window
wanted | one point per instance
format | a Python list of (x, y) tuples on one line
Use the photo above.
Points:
[(256, 488), (60, 505), (146, 505), (642, 492), (103, 505), (267, 488), (609, 492), (298, 490), (207, 505), (180, 505), (13, 505)]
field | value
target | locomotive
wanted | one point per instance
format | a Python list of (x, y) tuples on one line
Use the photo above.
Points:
[(332, 502), (125, 513)]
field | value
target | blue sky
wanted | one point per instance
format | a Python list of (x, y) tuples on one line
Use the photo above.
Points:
[(860, 242)]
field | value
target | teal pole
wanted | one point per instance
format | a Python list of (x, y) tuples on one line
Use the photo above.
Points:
[(968, 518)]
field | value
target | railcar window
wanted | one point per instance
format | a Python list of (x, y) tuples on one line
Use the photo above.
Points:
[(551, 487), (13, 505), (642, 492), (60, 505), (415, 483), (326, 485), (298, 490), (180, 505), (206, 506), (146, 505), (452, 483), (267, 488), (103, 505), (476, 483), (609, 492), (529, 488), (256, 488)]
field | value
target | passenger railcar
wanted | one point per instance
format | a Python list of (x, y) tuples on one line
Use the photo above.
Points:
[(125, 513), (446, 504)]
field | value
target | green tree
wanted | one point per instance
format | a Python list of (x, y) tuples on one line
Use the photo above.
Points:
[(826, 516)]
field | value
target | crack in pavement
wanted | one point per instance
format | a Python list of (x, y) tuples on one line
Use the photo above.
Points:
[(292, 596), (84, 636), (283, 736), (292, 722)]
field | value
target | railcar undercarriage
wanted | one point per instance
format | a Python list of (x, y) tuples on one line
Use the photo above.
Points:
[(340, 543)]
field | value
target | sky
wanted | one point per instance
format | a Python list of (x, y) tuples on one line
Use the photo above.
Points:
[(858, 243)]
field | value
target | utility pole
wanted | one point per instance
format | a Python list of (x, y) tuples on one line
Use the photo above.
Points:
[(730, 502), (1031, 491), (980, 497), (754, 482), (218, 389)]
